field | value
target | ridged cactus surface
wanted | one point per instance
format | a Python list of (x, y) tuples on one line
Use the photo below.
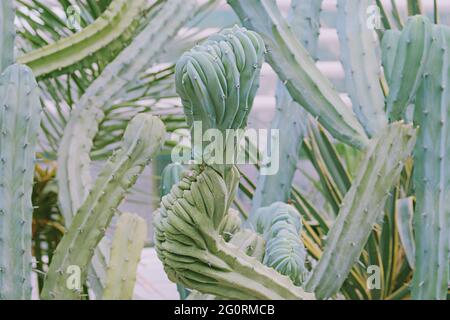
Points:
[(20, 113), (7, 34), (143, 138), (126, 248), (361, 207)]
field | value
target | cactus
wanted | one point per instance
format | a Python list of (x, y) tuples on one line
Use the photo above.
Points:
[(290, 118), (142, 139), (281, 226), (409, 65), (217, 81), (361, 207), (126, 249), (20, 113), (193, 252), (297, 70), (230, 225), (432, 173), (108, 35), (170, 176), (389, 46), (7, 34), (362, 69)]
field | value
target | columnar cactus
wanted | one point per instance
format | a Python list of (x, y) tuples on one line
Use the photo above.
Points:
[(361, 65), (409, 65), (295, 67), (20, 111), (290, 118), (142, 139), (361, 207), (107, 35), (389, 45), (127, 245), (432, 173), (170, 176), (7, 33)]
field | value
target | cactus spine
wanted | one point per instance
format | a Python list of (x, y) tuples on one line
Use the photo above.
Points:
[(111, 32), (7, 34), (432, 173), (19, 125), (290, 118), (362, 69), (297, 70), (142, 139), (362, 205), (126, 249), (409, 65)]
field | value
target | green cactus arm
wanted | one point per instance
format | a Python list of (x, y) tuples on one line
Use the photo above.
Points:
[(290, 118), (389, 45), (297, 70), (281, 226), (20, 113), (432, 174), (127, 245), (361, 65), (409, 66), (193, 252), (109, 34), (7, 34), (361, 207), (404, 219), (74, 179), (143, 138)]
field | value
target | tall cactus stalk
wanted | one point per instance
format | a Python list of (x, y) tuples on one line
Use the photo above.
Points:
[(295, 67), (7, 34), (107, 35), (432, 173), (409, 65), (19, 125), (127, 245), (361, 207), (290, 118), (361, 65), (142, 139)]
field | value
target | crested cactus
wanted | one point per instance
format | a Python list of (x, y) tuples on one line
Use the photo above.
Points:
[(19, 124), (142, 139), (281, 224), (202, 260), (409, 65), (127, 245), (230, 225), (7, 34), (111, 32), (432, 173), (361, 207), (297, 70), (361, 65)]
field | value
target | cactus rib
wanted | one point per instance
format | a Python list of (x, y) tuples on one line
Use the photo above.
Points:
[(432, 174), (389, 45), (111, 32), (361, 207), (127, 245), (19, 126), (7, 34), (409, 65), (203, 261), (297, 70), (142, 139), (362, 69)]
